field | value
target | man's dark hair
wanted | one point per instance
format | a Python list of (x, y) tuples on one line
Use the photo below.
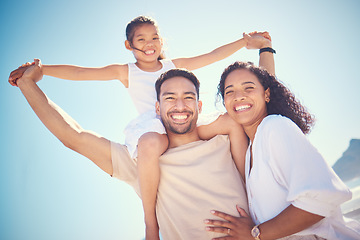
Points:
[(176, 73)]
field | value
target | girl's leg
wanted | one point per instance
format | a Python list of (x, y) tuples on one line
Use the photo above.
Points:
[(225, 125), (150, 147)]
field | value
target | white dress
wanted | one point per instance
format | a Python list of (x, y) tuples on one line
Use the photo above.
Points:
[(142, 92), (286, 170)]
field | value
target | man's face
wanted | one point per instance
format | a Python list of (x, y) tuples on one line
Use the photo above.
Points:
[(178, 105)]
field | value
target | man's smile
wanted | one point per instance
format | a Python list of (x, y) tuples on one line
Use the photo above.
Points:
[(180, 117)]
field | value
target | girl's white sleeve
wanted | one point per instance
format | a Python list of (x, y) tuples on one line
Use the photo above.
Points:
[(311, 183)]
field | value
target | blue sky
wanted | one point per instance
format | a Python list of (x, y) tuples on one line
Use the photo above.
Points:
[(50, 192)]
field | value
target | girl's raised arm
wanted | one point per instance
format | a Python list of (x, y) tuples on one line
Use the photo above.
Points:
[(217, 54), (254, 40)]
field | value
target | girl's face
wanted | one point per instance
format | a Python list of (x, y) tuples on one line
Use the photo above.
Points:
[(146, 38), (245, 98)]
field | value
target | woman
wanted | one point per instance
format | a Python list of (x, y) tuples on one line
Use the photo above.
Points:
[(292, 192)]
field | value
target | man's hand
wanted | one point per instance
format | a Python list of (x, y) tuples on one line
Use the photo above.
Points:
[(33, 72)]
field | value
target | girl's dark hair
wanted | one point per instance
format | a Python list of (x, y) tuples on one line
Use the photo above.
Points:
[(282, 101), (176, 72), (137, 22)]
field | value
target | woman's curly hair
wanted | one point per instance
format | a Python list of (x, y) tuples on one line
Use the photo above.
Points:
[(282, 100)]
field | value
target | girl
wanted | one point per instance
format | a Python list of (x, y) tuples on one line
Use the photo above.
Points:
[(145, 136), (292, 192)]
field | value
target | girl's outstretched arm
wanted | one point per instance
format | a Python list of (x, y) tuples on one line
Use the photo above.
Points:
[(192, 63), (72, 72), (254, 40)]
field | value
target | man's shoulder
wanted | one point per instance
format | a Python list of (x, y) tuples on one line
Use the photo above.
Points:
[(219, 141)]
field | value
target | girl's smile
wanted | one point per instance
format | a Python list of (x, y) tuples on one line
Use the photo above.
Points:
[(147, 40)]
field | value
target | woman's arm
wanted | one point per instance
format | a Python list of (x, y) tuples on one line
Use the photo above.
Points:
[(258, 40), (288, 222)]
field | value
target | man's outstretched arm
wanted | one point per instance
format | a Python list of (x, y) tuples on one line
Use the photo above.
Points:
[(66, 129)]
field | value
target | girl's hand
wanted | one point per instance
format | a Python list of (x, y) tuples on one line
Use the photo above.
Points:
[(33, 73), (234, 227), (17, 73), (263, 34), (257, 40)]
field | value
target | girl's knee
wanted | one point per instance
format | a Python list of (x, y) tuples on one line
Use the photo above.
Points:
[(154, 143)]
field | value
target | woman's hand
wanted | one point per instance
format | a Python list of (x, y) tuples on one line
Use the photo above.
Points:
[(234, 227)]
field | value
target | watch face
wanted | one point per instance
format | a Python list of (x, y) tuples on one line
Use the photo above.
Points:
[(255, 232)]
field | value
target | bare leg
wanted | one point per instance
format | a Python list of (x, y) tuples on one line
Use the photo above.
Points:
[(225, 125), (150, 147)]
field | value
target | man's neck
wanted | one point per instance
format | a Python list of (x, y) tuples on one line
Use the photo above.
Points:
[(176, 140)]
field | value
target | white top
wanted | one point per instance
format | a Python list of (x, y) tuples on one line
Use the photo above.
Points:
[(142, 85), (286, 170), (195, 178)]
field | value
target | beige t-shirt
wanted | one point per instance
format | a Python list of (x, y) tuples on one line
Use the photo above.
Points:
[(195, 178)]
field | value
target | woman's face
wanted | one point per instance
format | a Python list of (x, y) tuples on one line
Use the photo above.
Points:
[(245, 98)]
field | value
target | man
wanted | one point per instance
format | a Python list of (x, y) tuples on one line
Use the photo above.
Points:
[(196, 176)]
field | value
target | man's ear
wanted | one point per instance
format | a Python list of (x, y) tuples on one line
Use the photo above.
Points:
[(128, 45), (157, 107), (200, 106)]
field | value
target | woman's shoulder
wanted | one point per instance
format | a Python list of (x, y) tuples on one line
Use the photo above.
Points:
[(278, 124), (277, 121)]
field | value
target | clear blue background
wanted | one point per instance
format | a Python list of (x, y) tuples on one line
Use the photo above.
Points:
[(50, 192)]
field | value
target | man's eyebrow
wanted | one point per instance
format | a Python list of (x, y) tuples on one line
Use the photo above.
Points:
[(167, 93), (191, 93), (172, 93)]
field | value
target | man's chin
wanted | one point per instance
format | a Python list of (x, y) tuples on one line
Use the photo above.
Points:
[(180, 130)]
